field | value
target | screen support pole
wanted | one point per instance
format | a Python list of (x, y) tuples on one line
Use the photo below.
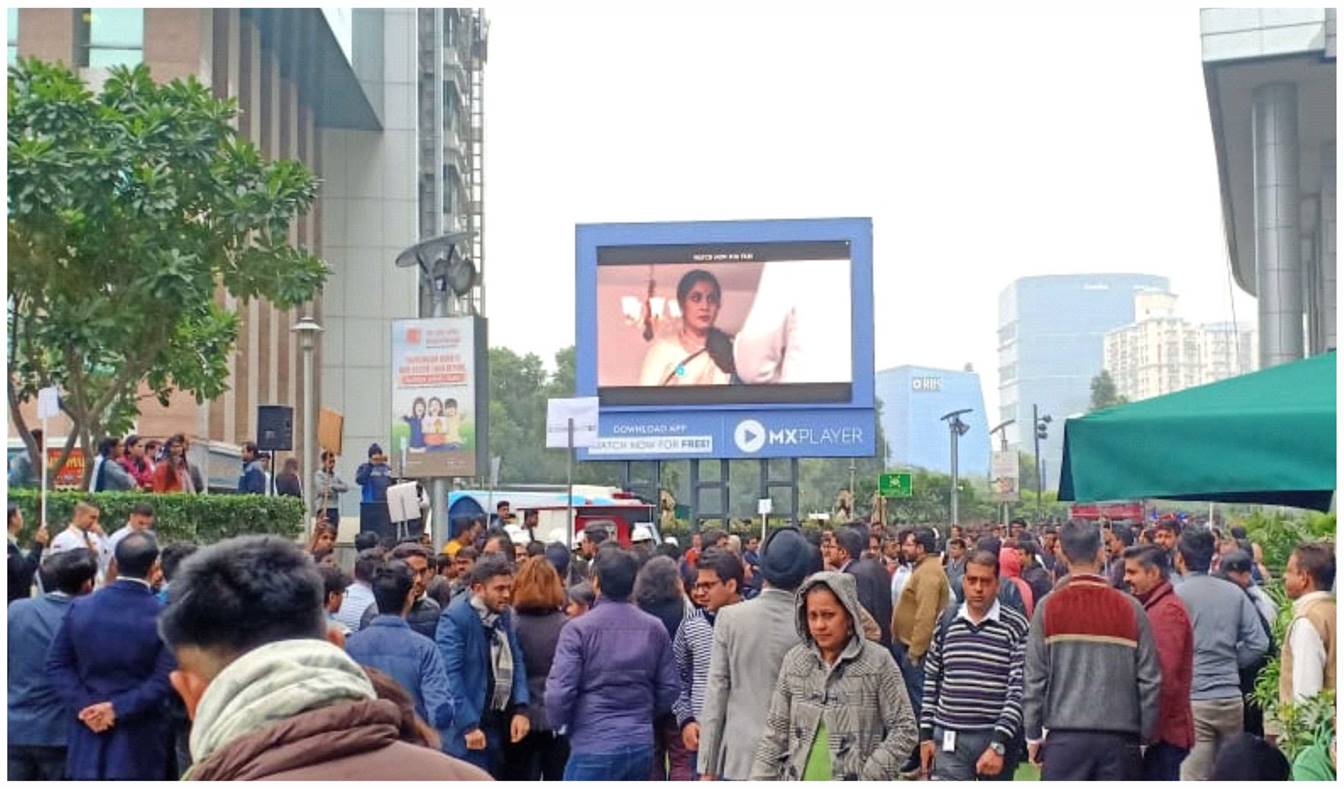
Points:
[(569, 482)]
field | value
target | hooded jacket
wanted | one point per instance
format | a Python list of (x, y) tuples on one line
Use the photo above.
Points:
[(302, 711), (862, 700), (1010, 567)]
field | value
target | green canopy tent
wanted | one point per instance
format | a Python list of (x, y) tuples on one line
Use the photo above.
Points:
[(1265, 438)]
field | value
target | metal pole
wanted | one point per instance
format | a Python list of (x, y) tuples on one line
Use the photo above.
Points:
[(853, 498), (1003, 447), (309, 425), (569, 482), (1036, 439), (438, 488), (42, 518), (952, 430)]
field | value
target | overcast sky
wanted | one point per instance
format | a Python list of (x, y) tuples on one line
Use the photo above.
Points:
[(985, 146)]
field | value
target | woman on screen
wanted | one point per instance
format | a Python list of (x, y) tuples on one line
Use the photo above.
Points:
[(696, 353)]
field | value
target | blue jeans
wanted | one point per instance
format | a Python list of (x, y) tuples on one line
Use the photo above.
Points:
[(628, 764), (912, 675)]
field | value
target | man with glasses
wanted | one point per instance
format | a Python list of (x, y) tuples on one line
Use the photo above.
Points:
[(424, 614), (718, 584)]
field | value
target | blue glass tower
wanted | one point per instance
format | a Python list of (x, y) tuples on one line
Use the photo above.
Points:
[(913, 399)]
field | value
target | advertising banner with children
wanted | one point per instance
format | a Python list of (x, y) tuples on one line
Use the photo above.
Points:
[(436, 375)]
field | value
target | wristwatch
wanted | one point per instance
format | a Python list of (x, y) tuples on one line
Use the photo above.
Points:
[(997, 747)]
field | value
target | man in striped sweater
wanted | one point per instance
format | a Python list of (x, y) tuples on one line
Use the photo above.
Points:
[(971, 723), (718, 584), (1092, 676)]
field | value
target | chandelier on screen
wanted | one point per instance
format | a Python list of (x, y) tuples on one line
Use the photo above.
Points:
[(649, 310)]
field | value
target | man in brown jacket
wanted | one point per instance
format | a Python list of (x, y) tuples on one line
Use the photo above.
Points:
[(922, 601), (269, 697)]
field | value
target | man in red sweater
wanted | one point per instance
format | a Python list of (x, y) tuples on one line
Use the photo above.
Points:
[(1146, 573)]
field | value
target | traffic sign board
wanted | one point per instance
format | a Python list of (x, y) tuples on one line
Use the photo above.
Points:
[(899, 485)]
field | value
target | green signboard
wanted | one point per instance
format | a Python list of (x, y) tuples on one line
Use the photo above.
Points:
[(898, 485)]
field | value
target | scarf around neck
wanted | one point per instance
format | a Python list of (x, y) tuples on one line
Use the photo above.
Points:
[(270, 684), (501, 655)]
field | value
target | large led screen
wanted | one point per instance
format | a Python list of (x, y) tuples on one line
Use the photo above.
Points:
[(704, 324)]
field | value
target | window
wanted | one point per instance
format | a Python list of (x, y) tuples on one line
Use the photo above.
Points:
[(12, 28), (107, 37)]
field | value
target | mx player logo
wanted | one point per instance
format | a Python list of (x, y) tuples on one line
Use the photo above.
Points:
[(749, 436)]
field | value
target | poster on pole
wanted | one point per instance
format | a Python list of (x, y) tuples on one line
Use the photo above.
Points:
[(439, 399), (583, 410), (1004, 475)]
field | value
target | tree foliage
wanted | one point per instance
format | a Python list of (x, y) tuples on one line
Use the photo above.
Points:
[(127, 211), (1104, 393)]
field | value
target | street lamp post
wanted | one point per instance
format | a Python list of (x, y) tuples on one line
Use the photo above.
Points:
[(1002, 430), (308, 330), (956, 429), (1039, 424), (443, 268)]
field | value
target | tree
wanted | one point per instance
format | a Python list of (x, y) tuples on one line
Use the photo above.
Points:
[(127, 212), (1104, 394)]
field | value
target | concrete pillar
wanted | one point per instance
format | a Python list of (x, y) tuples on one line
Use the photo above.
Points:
[(1278, 257), (1326, 256)]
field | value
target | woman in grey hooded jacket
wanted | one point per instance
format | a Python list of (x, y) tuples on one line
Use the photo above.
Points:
[(840, 710)]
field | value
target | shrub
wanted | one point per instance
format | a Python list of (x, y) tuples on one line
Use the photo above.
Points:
[(1297, 724), (202, 519), (1278, 534)]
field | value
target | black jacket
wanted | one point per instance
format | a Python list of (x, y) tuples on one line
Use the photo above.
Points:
[(538, 634), (1038, 578), (423, 619), (874, 586), (21, 571)]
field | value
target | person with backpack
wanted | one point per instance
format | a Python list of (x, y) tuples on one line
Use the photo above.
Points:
[(971, 722)]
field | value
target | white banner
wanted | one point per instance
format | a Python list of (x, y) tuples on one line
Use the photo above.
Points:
[(583, 410)]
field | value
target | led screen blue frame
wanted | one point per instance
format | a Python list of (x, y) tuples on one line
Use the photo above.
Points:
[(731, 430)]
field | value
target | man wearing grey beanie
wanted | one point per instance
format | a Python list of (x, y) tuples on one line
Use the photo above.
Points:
[(750, 641)]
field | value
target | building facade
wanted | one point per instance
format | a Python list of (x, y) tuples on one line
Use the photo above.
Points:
[(1051, 346), (1161, 353), (1270, 78), (913, 401), (340, 90)]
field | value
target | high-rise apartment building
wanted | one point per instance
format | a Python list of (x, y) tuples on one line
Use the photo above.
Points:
[(1160, 352), (348, 92)]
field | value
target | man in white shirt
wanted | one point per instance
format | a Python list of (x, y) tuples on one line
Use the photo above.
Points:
[(140, 520), (84, 532), (1308, 658), (359, 595)]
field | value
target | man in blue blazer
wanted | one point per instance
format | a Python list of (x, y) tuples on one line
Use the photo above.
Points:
[(484, 663), (111, 669)]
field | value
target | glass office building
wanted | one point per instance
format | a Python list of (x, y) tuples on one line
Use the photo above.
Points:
[(913, 400), (1052, 344)]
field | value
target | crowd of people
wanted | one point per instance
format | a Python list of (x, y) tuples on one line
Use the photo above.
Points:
[(149, 465), (859, 653)]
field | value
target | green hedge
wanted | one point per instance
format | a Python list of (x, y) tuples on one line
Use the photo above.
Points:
[(202, 519)]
